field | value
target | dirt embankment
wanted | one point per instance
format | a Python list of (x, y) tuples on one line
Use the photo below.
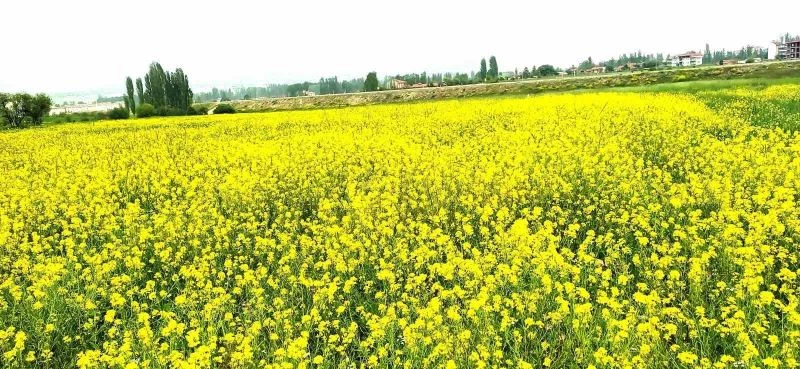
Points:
[(533, 86)]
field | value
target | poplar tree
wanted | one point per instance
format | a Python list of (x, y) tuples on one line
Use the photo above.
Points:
[(493, 71), (131, 101), (168, 92), (140, 90)]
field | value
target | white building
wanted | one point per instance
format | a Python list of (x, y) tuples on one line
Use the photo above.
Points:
[(772, 51), (688, 59), (784, 50)]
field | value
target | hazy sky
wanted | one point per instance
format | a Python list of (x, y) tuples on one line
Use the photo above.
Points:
[(78, 45)]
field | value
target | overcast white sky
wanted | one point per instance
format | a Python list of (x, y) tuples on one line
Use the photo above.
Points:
[(79, 45)]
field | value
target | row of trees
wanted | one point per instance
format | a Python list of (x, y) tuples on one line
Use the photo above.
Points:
[(247, 93), (325, 86), (331, 85), (649, 61), (637, 58), (168, 93), (747, 52), (491, 73), (545, 70), (20, 110), (487, 72), (297, 89)]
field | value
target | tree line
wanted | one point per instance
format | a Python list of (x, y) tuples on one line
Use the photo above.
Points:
[(651, 61), (488, 71), (745, 53), (22, 110), (325, 86), (159, 93)]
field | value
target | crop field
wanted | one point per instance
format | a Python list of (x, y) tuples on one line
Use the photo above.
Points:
[(591, 230)]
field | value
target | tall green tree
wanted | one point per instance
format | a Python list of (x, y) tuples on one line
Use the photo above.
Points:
[(168, 92), (482, 72), (179, 94), (546, 70), (371, 83), (19, 110), (586, 64), (493, 71), (155, 83), (148, 90), (131, 100), (140, 90)]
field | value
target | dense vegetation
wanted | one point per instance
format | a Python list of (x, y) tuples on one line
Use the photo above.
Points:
[(119, 113), (76, 117), (371, 82), (167, 92), (593, 230), (110, 99), (146, 110), (224, 109), (325, 86), (22, 110)]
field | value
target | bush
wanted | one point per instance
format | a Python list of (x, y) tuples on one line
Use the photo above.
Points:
[(197, 110), (650, 64), (224, 109), (77, 117), (119, 113), (145, 110), (20, 110), (169, 111)]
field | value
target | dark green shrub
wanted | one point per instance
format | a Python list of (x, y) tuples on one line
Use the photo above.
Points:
[(197, 110), (224, 109), (145, 110), (119, 113), (169, 111)]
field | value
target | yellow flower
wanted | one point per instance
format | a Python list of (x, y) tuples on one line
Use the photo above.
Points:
[(765, 297), (109, 316), (192, 338), (687, 357), (772, 362), (471, 233)]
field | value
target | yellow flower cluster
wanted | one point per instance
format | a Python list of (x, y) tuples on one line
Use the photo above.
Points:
[(770, 106), (608, 230)]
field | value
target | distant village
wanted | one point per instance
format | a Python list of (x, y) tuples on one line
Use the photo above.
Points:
[(777, 50)]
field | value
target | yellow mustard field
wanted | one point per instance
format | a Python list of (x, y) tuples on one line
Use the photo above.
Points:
[(606, 230)]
